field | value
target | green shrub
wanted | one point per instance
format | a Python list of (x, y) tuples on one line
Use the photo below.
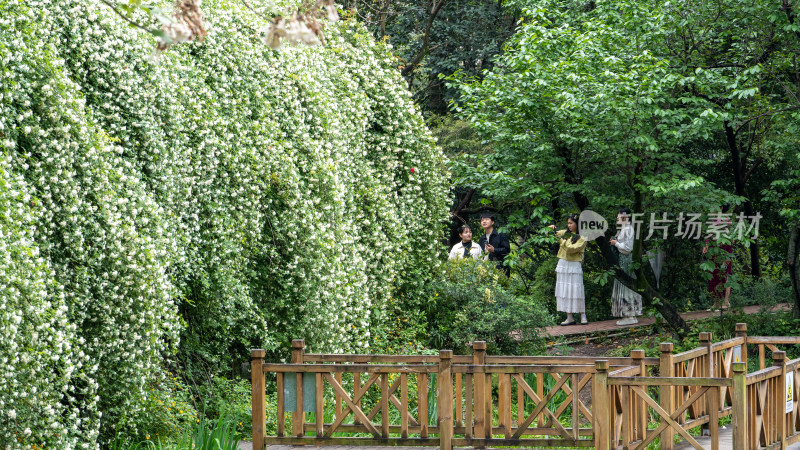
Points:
[(471, 301), (232, 399)]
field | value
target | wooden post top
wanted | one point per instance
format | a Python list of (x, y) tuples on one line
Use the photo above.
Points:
[(705, 337), (739, 367), (601, 365), (445, 354), (666, 347), (741, 329), (479, 346), (778, 358), (257, 353), (637, 354), (298, 343)]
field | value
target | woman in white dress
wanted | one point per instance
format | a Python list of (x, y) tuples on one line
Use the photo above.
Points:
[(569, 273), (466, 248), (625, 302)]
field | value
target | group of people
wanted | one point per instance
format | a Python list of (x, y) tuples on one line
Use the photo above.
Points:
[(492, 246), (570, 297)]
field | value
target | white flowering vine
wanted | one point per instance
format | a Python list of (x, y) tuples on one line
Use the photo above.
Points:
[(253, 196)]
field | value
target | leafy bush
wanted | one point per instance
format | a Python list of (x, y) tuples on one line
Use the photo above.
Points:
[(471, 301), (231, 399), (169, 408), (765, 292)]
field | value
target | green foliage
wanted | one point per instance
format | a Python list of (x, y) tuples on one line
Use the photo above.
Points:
[(169, 408), (219, 434), (765, 292), (465, 35), (474, 301), (604, 103), (231, 399)]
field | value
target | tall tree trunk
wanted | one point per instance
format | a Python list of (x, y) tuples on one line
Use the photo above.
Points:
[(793, 261), (740, 179), (456, 219)]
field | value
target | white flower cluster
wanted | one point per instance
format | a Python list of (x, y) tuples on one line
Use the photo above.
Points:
[(269, 196)]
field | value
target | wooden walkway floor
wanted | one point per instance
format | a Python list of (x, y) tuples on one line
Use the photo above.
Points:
[(610, 326)]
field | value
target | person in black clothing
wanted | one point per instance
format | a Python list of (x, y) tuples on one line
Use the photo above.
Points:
[(494, 245)]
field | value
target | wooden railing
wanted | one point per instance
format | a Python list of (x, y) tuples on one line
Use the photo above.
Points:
[(769, 424), (480, 400)]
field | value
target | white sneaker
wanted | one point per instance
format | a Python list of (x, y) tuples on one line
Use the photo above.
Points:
[(628, 321)]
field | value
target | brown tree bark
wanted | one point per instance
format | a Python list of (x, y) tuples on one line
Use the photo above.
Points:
[(411, 66), (456, 218), (793, 261), (740, 176)]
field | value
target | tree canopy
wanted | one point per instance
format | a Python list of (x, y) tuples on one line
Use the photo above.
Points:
[(639, 104)]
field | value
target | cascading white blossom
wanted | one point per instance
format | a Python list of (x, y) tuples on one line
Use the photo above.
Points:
[(265, 193)]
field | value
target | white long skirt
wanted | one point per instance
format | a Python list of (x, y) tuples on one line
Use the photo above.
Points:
[(569, 287), (624, 301)]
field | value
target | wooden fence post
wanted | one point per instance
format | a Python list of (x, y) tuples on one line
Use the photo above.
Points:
[(779, 360), (639, 430), (602, 421), (298, 417), (705, 342), (479, 383), (666, 368), (741, 331), (258, 397), (739, 400), (444, 395), (705, 403)]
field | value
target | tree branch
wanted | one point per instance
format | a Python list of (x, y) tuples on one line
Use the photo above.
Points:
[(113, 7), (412, 65), (787, 8)]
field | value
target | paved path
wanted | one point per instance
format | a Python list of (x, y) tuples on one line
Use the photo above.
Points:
[(725, 441), (611, 325)]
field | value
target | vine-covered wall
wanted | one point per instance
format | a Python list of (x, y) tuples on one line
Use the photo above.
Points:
[(228, 196)]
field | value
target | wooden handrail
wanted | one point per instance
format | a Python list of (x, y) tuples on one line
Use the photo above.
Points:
[(763, 374), (689, 354), (349, 368), (668, 381), (625, 371), (567, 360), (370, 358), (696, 388), (486, 368), (726, 344), (773, 339)]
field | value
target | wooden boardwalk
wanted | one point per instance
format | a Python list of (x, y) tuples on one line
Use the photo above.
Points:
[(610, 326)]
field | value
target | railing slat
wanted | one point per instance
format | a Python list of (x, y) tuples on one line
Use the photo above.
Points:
[(403, 405), (281, 419)]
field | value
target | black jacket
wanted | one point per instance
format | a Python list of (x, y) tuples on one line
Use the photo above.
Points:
[(500, 243)]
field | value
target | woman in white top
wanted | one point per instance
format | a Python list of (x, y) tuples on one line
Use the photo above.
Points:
[(466, 248), (625, 302)]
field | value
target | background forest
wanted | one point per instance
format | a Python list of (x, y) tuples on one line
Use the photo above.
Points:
[(158, 220)]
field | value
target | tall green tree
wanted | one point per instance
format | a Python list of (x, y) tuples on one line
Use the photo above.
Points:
[(438, 37), (593, 100), (737, 63)]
